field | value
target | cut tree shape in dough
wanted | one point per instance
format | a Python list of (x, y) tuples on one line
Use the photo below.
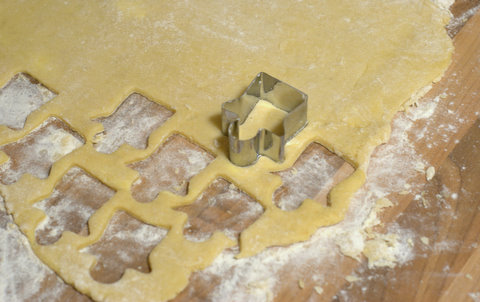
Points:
[(359, 62), (75, 198), (312, 176), (126, 243), (36, 152), (20, 97), (131, 123), (169, 168), (222, 206)]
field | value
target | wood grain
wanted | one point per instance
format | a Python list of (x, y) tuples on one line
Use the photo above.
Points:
[(447, 268)]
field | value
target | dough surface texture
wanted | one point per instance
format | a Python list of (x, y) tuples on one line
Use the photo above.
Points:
[(358, 61)]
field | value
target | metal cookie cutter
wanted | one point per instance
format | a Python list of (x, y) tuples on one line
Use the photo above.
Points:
[(235, 112)]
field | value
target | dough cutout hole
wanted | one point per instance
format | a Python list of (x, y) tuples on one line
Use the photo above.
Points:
[(74, 200), (36, 152), (313, 175), (169, 168), (19, 98), (221, 207), (126, 243), (131, 123)]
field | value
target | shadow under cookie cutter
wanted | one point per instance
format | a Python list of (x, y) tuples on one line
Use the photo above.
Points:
[(265, 142)]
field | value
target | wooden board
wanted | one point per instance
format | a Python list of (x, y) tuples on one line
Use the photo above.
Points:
[(438, 271)]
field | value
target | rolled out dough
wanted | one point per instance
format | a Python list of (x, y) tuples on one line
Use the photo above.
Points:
[(359, 62)]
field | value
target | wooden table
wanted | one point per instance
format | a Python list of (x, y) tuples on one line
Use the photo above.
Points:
[(445, 219)]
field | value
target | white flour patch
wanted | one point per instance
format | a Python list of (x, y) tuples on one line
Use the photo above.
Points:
[(390, 249), (447, 246), (425, 111), (474, 296), (131, 123), (228, 195), (67, 208), (185, 162), (197, 161), (56, 143), (462, 19), (144, 234), (20, 97), (131, 234), (21, 273), (48, 145), (302, 178)]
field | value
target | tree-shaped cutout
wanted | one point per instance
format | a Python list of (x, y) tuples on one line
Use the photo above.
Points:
[(73, 201), (20, 97), (132, 123), (221, 207), (126, 243), (36, 152), (169, 168), (313, 175)]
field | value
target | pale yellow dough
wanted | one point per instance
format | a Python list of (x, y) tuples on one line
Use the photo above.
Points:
[(359, 62)]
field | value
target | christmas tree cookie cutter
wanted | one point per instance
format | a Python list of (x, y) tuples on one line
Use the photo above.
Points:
[(265, 142)]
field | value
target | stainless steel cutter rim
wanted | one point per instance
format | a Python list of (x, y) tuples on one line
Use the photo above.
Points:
[(265, 142)]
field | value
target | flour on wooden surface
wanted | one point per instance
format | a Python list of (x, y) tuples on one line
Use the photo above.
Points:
[(125, 243), (21, 273), (314, 172), (475, 296), (136, 234), (20, 97), (144, 234), (73, 201), (40, 149), (252, 209), (426, 111), (132, 123), (457, 22), (56, 143), (170, 168), (141, 234), (205, 213)]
